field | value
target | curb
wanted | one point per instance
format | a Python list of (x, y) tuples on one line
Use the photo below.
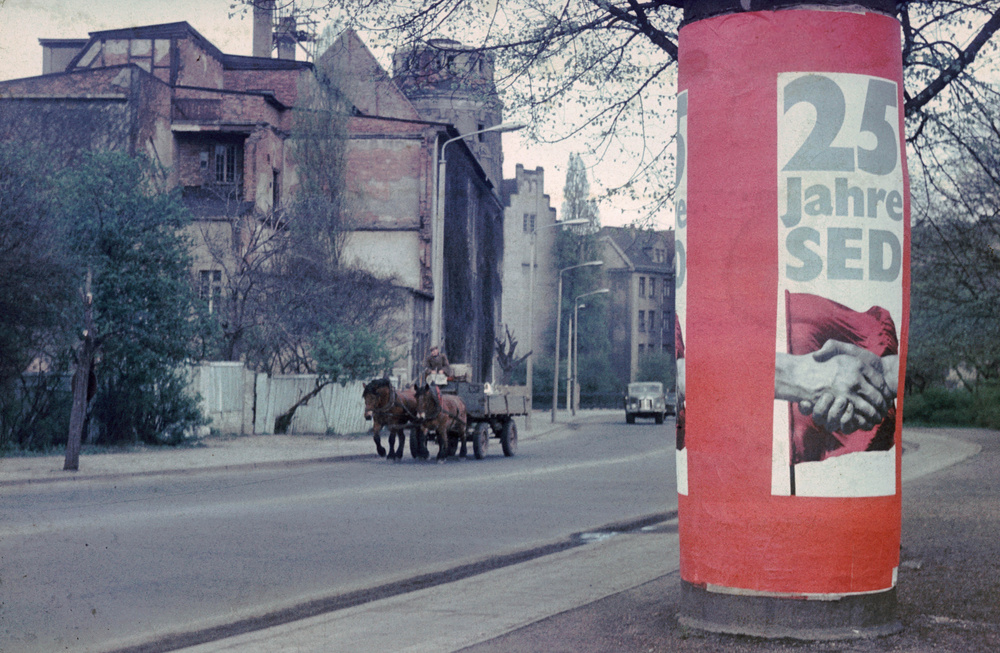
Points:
[(71, 477)]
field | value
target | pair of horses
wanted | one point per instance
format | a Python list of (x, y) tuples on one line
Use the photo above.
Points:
[(423, 408)]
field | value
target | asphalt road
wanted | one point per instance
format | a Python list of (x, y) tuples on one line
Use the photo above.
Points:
[(100, 564)]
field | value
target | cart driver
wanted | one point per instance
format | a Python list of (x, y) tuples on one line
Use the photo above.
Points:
[(436, 363)]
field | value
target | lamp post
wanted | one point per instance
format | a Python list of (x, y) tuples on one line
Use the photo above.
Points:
[(531, 303), (576, 341), (555, 372), (437, 232)]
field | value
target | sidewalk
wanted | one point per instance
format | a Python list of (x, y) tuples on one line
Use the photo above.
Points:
[(230, 452), (949, 578)]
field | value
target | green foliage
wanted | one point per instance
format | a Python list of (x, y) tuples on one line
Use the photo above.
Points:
[(34, 288), (34, 412), (658, 366), (35, 291), (345, 353), (151, 406), (955, 407), (987, 405), (128, 235), (939, 407)]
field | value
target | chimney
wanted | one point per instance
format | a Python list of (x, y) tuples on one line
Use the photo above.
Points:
[(262, 38), (286, 37)]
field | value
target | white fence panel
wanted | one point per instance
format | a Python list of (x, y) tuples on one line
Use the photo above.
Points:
[(336, 409), (240, 401), (225, 399)]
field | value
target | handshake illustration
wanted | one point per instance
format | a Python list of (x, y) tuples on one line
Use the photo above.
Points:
[(844, 387)]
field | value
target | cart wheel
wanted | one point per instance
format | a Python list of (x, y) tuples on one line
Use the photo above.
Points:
[(508, 437), (480, 440)]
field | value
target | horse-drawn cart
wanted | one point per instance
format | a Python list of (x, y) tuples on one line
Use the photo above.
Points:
[(491, 410)]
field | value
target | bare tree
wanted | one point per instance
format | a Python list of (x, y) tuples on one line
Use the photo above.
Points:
[(956, 243), (506, 357), (554, 60)]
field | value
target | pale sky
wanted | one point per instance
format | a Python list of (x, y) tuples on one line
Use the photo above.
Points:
[(23, 22)]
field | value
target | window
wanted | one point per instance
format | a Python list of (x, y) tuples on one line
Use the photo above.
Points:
[(276, 190), (210, 289), (529, 223), (482, 136), (642, 349), (226, 164), (652, 294), (642, 286), (652, 321), (642, 321)]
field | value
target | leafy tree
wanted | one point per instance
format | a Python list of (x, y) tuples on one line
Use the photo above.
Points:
[(555, 59), (34, 294), (33, 288), (658, 366), (132, 263), (341, 354), (576, 245)]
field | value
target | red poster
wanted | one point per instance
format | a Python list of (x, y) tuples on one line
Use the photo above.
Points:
[(793, 222)]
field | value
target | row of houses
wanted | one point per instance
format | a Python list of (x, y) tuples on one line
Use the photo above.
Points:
[(423, 169)]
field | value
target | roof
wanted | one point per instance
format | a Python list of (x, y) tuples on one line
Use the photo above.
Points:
[(162, 31), (356, 72), (181, 30), (638, 246)]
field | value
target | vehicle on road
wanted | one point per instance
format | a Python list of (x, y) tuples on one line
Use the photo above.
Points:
[(490, 412), (645, 399)]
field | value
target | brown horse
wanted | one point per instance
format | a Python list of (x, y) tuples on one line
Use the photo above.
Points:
[(442, 413), (386, 406)]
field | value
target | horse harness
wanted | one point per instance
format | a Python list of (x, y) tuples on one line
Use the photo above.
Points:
[(440, 409), (382, 411)]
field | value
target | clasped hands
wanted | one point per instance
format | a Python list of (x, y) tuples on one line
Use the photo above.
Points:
[(844, 387)]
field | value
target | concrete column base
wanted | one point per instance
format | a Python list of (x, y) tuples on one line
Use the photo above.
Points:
[(850, 617)]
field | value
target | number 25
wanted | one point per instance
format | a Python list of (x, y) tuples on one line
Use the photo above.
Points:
[(827, 97)]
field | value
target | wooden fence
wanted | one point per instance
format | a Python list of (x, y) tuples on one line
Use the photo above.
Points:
[(238, 400)]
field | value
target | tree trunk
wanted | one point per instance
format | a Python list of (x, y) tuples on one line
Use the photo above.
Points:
[(81, 381)]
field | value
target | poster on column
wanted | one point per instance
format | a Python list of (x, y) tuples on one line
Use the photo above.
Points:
[(840, 243), (680, 279)]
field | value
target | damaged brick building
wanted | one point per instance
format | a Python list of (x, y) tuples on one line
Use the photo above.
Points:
[(425, 214)]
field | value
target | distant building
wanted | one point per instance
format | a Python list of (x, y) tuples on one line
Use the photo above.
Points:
[(451, 83), (638, 265), (526, 212)]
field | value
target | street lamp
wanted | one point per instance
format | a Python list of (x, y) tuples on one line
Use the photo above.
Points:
[(437, 231), (575, 358), (555, 373), (531, 302)]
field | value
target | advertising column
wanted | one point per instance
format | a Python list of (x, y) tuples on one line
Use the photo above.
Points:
[(792, 207)]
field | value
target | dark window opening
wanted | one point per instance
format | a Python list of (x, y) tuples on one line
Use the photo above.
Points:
[(210, 289)]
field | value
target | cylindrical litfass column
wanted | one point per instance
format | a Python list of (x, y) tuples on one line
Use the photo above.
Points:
[(792, 316)]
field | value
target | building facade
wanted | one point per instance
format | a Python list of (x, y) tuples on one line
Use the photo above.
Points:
[(220, 126), (638, 264), (529, 229)]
